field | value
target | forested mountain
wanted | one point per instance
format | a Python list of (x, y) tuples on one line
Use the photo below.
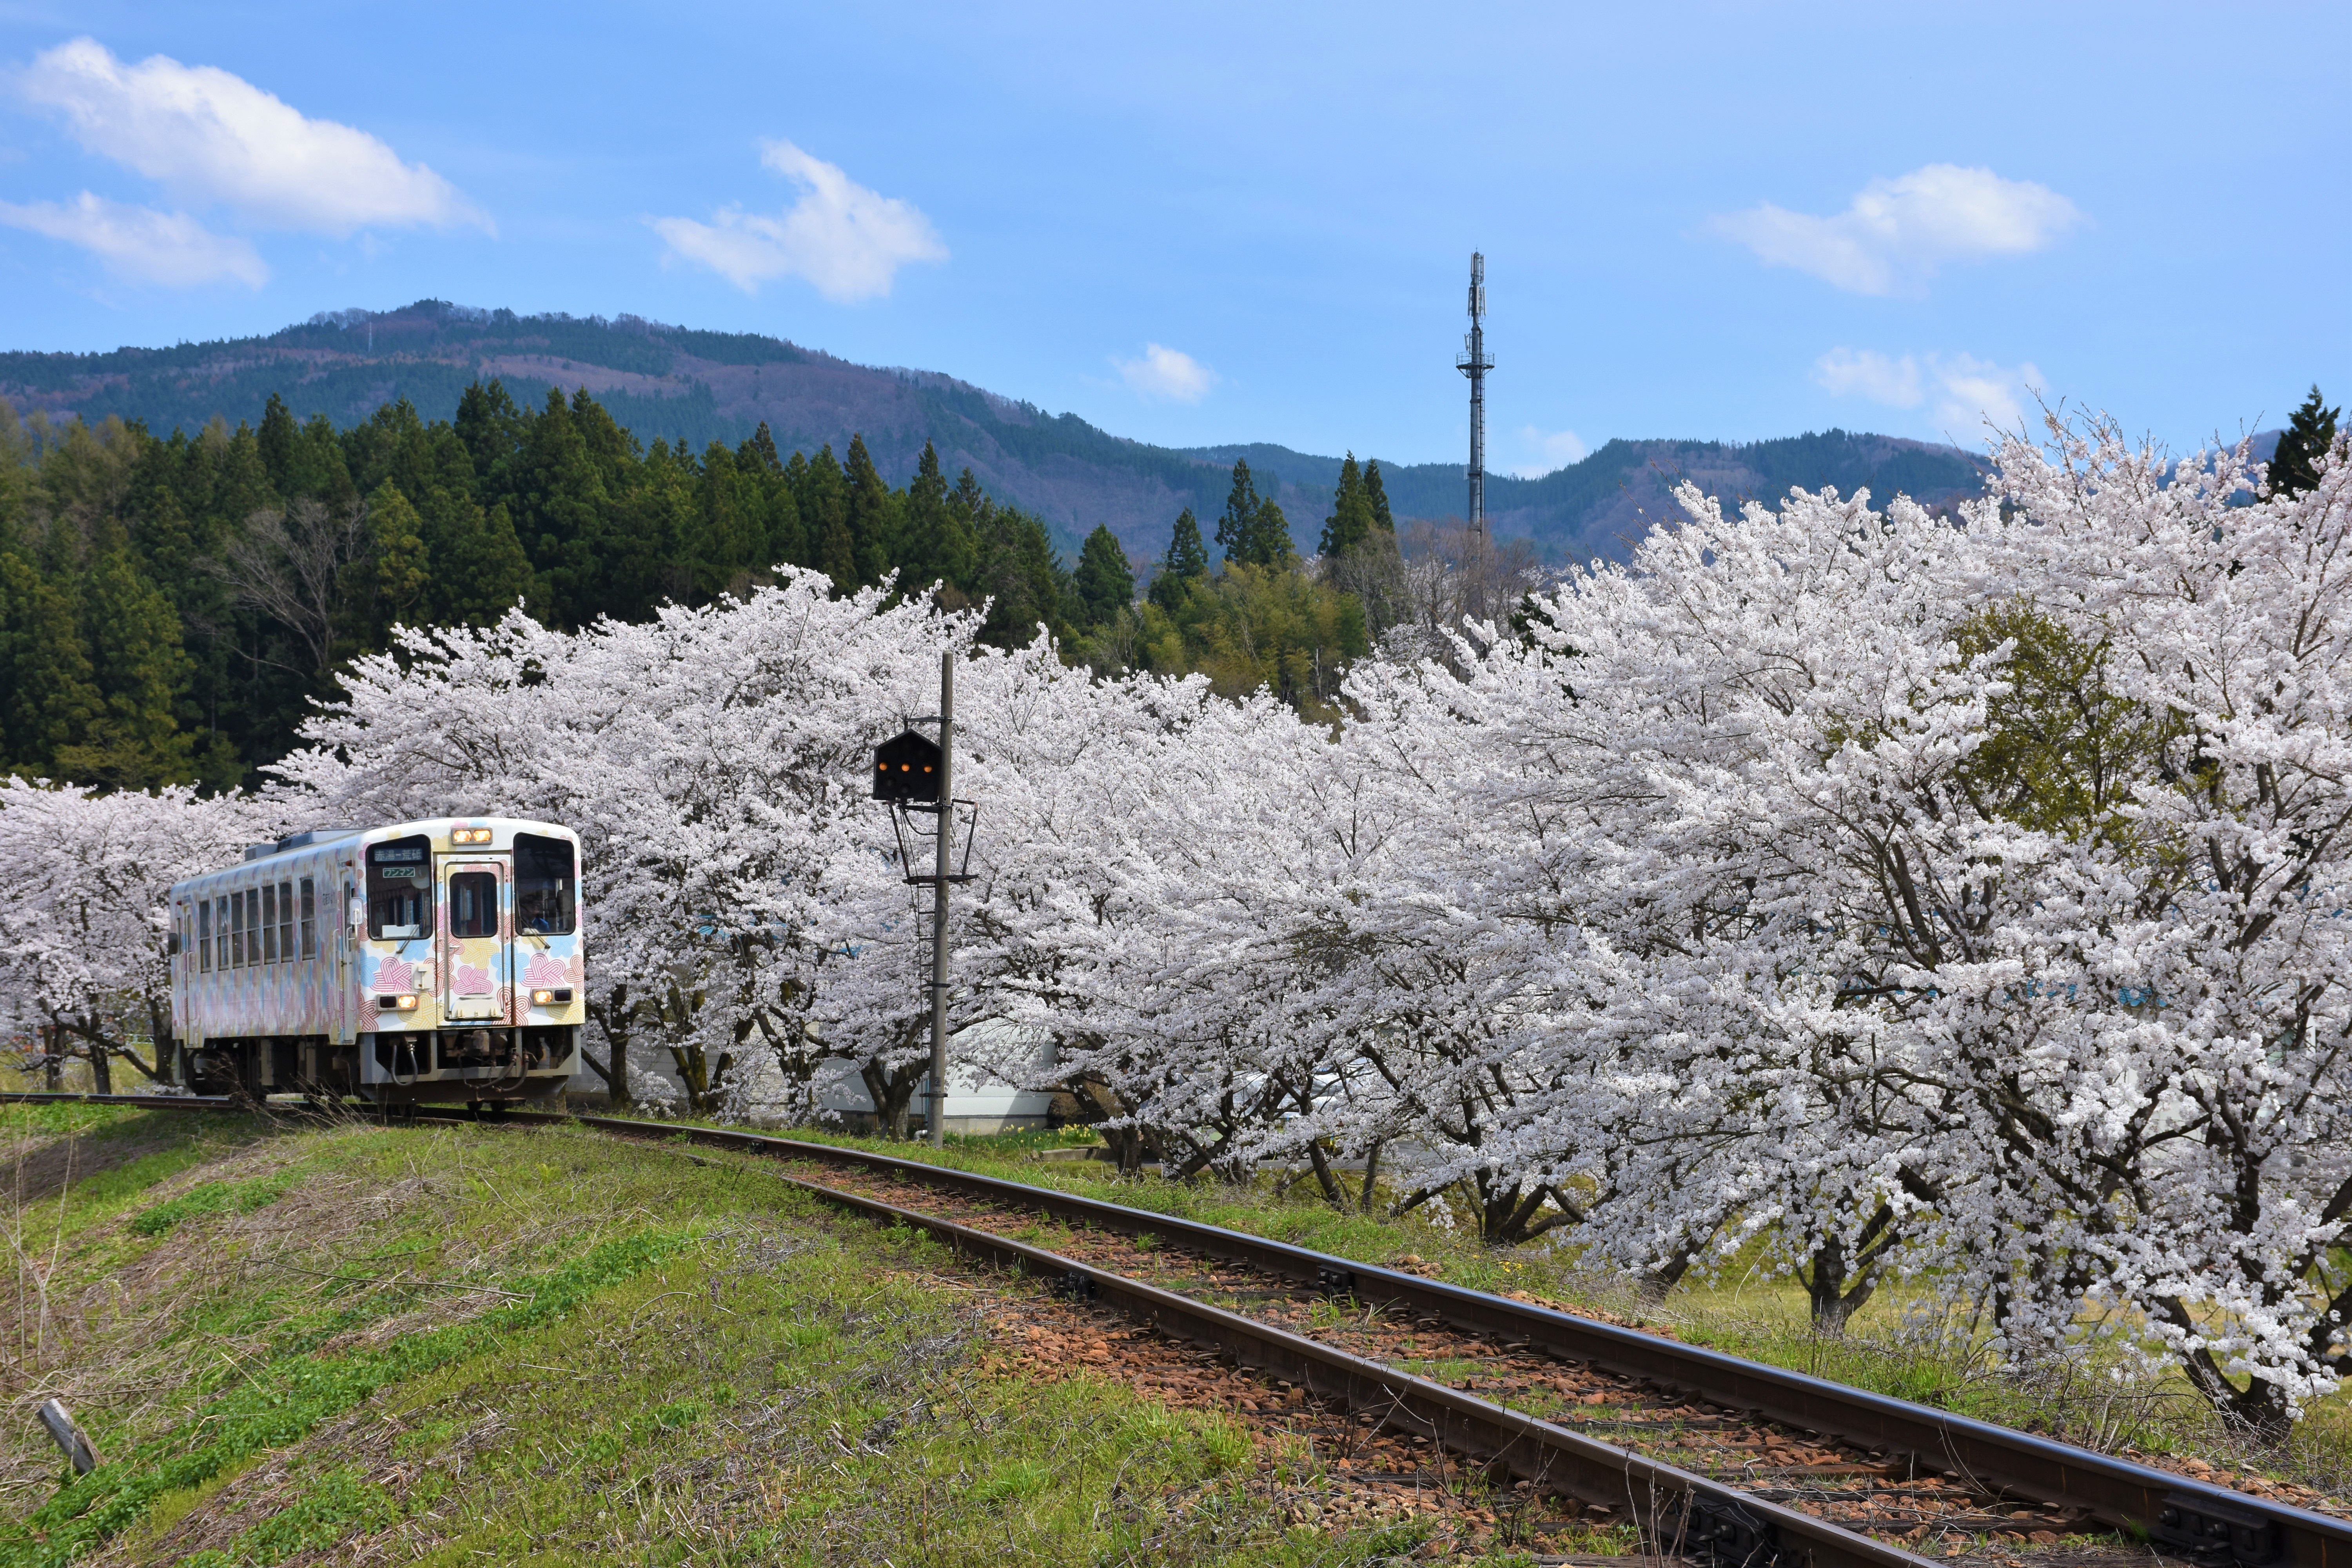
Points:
[(696, 387), (194, 541)]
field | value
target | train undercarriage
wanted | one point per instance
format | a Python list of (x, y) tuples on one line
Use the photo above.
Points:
[(457, 1065)]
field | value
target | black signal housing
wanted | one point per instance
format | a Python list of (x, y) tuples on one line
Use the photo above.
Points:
[(906, 768)]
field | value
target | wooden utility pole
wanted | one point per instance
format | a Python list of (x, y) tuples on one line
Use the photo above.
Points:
[(939, 904)]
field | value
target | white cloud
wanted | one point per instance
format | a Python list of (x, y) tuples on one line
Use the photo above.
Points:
[(1557, 450), (1897, 232), (1163, 372), (1968, 391), (140, 244), (208, 136), (1977, 391), (1845, 372), (846, 240)]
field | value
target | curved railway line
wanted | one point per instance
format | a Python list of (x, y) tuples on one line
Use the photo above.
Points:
[(1716, 1457)]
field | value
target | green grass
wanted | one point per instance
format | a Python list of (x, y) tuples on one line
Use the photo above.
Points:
[(213, 1198), (455, 1344)]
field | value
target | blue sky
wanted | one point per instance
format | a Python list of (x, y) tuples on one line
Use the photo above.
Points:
[(1205, 224)]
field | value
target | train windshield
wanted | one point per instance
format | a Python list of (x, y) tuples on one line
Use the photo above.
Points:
[(400, 889), (546, 877)]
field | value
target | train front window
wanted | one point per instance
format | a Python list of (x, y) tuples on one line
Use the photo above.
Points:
[(547, 880), (400, 889), (473, 903)]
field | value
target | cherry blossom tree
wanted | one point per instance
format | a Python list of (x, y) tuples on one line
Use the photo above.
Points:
[(712, 760), (1964, 893), (85, 959)]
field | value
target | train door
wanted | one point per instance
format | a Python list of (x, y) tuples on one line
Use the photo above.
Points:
[(344, 963), (474, 940)]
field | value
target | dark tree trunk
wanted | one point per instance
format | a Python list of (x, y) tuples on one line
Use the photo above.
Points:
[(1667, 1274), (1332, 1191), (1825, 1289), (1127, 1147), (613, 1016), (2260, 1408), (1510, 1213), (893, 1095), (1838, 1285)]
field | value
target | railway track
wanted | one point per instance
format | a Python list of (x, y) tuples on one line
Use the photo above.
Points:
[(1716, 1457)]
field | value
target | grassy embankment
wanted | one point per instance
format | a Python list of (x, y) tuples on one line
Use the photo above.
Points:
[(452, 1344), (1899, 1344)]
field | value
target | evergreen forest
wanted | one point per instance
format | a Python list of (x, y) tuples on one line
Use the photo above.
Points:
[(170, 607)]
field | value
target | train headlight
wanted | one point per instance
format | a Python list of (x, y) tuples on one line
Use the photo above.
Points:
[(470, 835), (553, 998), (396, 1004)]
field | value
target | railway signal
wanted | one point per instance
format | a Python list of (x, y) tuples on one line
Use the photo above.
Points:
[(915, 775)]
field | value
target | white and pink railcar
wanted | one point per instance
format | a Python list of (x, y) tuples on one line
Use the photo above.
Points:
[(431, 960)]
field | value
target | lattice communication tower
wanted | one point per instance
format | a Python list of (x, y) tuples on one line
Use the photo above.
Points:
[(1474, 363)]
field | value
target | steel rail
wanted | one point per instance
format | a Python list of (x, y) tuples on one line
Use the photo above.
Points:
[(2208, 1524), (138, 1101), (1684, 1512)]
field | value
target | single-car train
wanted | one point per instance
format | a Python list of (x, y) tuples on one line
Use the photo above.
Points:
[(435, 960)]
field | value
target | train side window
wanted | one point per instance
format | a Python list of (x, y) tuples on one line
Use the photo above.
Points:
[(236, 929), (400, 889), (547, 882), (204, 936), (269, 922), (286, 923), (220, 933), (310, 918)]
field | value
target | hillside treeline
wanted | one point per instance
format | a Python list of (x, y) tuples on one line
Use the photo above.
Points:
[(170, 607)]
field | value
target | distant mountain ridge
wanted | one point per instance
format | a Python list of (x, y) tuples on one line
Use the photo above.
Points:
[(678, 383)]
